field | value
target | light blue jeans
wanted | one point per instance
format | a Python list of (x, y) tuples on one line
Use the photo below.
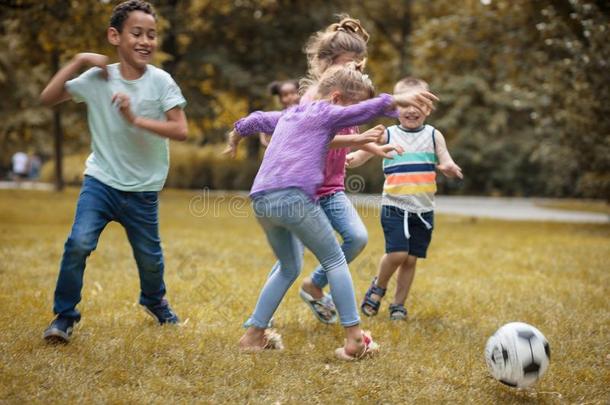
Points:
[(345, 220), (288, 218)]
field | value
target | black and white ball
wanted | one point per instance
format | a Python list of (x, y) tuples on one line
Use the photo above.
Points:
[(517, 355)]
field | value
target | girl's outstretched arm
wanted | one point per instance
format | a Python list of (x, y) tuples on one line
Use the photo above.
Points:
[(357, 114), (371, 135), (388, 151), (357, 158), (374, 141), (364, 111), (258, 121)]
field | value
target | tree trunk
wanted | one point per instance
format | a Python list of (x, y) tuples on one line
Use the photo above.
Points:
[(169, 45), (57, 133)]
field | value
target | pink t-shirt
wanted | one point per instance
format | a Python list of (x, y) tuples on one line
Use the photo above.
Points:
[(334, 169)]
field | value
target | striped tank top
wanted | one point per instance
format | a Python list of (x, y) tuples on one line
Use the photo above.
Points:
[(410, 178)]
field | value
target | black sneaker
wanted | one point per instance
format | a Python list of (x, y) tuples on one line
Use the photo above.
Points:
[(60, 329), (162, 313)]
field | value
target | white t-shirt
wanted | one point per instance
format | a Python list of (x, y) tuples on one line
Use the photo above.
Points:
[(123, 156), (20, 163)]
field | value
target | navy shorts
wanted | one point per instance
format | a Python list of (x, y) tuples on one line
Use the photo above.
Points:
[(392, 221)]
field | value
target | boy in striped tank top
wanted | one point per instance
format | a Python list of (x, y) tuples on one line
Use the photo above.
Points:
[(407, 205)]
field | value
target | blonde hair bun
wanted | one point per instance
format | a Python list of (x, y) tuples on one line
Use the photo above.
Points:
[(349, 24)]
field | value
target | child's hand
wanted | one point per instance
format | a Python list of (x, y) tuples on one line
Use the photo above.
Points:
[(349, 159), (95, 59), (372, 135), (122, 102), (451, 170), (233, 141), (390, 151), (420, 99)]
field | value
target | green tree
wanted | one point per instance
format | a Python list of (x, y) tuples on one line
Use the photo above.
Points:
[(38, 38), (522, 109)]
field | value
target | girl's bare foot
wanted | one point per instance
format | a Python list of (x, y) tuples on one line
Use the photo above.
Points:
[(320, 304), (358, 348), (354, 347), (253, 338), (310, 288), (256, 339)]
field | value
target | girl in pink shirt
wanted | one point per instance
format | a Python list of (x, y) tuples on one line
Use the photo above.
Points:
[(338, 44)]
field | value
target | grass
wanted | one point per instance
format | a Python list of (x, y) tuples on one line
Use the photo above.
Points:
[(480, 275)]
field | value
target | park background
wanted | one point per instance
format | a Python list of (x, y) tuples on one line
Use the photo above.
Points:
[(524, 85), (524, 90)]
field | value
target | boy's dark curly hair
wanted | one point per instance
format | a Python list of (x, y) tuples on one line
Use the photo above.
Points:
[(121, 12)]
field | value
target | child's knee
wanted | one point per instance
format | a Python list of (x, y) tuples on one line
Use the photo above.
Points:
[(334, 260), (292, 270), (151, 263), (291, 273), (80, 245), (359, 239), (396, 258)]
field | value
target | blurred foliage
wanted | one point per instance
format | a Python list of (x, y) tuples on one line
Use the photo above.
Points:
[(191, 167), (524, 85), (525, 92)]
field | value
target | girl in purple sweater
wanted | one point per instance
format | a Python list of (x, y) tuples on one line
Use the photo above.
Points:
[(340, 43), (284, 191)]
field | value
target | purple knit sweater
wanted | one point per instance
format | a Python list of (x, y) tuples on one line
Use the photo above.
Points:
[(301, 135)]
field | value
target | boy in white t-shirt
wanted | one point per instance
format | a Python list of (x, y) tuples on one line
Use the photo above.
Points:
[(133, 110)]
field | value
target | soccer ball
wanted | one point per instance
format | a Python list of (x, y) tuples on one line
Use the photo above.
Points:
[(517, 354)]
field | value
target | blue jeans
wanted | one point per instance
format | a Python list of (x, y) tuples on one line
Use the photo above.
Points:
[(345, 220), (288, 218), (98, 204)]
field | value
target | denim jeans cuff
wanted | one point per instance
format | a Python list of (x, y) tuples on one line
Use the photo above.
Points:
[(71, 314), (350, 323), (318, 280), (251, 322)]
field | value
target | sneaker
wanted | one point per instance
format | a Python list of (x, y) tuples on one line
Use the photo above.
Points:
[(162, 313), (60, 329)]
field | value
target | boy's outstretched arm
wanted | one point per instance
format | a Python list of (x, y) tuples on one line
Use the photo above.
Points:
[(175, 127), (56, 92), (446, 165)]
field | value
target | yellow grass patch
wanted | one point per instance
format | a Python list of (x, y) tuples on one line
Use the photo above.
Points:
[(480, 274)]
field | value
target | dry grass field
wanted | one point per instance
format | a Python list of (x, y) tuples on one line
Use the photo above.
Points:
[(480, 274)]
